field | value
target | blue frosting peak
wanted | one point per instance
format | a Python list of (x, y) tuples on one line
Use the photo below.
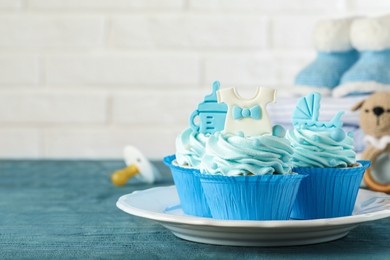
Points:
[(231, 155), (320, 149), (317, 143), (190, 148)]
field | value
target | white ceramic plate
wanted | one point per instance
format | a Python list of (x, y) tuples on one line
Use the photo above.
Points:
[(162, 205)]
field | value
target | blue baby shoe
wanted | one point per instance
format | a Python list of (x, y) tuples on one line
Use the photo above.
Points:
[(335, 56), (371, 36)]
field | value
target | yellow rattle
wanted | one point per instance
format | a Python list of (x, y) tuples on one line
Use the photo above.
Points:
[(138, 166)]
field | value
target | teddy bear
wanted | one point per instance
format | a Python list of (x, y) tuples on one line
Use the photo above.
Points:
[(375, 122)]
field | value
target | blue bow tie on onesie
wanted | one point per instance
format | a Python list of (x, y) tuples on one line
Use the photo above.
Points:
[(247, 115)]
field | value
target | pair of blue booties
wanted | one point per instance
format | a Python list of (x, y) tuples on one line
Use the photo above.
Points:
[(353, 58)]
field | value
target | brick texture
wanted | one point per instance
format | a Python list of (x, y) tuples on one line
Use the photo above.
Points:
[(158, 108), (123, 69), (51, 31), (60, 108), (20, 142), (84, 78), (105, 5), (19, 69), (285, 29), (241, 69), (10, 4), (108, 143), (190, 31), (268, 5)]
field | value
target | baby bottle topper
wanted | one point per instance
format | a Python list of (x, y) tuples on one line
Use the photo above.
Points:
[(248, 116), (306, 113), (211, 114)]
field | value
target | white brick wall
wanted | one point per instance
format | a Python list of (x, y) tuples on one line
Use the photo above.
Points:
[(242, 69), (105, 4), (189, 31), (282, 38), (31, 31), (19, 69), (154, 108), (10, 4), (53, 108), (107, 142), (124, 69), (20, 142), (83, 78)]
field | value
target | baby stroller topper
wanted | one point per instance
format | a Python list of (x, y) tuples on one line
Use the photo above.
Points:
[(306, 114)]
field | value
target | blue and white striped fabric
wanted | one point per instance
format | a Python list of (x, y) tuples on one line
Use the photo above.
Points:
[(282, 111)]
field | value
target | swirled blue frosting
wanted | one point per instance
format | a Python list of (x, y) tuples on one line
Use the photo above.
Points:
[(319, 149), (230, 155), (190, 147)]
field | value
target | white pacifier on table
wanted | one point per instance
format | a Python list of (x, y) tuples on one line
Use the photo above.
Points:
[(138, 166)]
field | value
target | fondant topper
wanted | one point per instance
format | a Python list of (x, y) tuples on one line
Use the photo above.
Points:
[(211, 114), (248, 116), (306, 113)]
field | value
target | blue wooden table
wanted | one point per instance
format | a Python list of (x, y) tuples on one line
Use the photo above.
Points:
[(66, 209)]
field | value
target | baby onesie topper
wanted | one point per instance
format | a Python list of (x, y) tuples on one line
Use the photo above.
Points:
[(248, 116), (211, 114), (306, 113)]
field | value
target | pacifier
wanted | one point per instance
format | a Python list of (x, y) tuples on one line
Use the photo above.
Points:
[(138, 166)]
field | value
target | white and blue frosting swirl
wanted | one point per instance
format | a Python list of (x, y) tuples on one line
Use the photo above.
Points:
[(319, 149), (232, 155), (190, 147)]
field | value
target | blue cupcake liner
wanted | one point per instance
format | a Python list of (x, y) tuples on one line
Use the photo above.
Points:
[(261, 197), (190, 191), (328, 192)]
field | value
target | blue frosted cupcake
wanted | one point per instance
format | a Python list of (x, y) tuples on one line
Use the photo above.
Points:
[(190, 145), (324, 152), (184, 166), (246, 169), (249, 178)]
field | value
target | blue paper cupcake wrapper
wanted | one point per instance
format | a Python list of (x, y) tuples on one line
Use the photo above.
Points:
[(328, 192), (265, 197), (189, 189)]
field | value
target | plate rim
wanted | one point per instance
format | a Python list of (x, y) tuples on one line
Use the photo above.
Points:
[(200, 221)]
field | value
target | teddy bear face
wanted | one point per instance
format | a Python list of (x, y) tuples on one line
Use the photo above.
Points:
[(375, 114)]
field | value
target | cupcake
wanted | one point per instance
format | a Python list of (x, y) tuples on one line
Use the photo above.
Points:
[(190, 146), (246, 169), (184, 165), (324, 152)]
